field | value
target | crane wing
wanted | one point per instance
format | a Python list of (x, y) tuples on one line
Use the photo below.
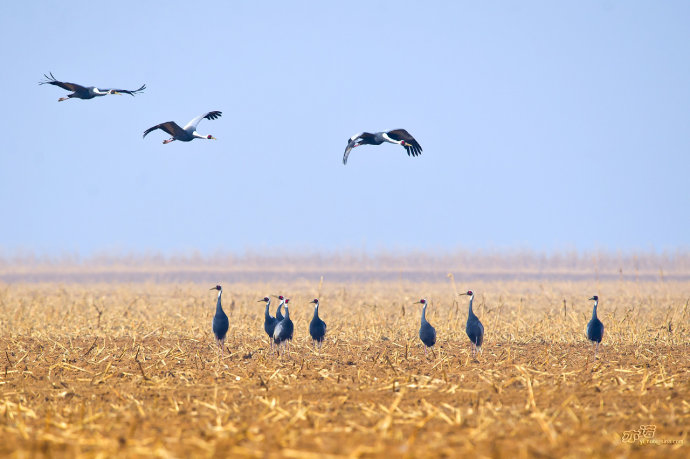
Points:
[(414, 148), (64, 85), (278, 329), (170, 127), (127, 91), (209, 116)]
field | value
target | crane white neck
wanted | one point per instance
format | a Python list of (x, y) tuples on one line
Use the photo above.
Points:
[(424, 311), (471, 301), (218, 305), (388, 139), (594, 309)]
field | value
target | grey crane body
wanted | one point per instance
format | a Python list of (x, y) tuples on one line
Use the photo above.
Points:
[(283, 331), (86, 92), (595, 328), (187, 133), (474, 327), (220, 320), (396, 136), (427, 333), (317, 327)]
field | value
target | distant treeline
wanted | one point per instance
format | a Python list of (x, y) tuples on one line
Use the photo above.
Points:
[(350, 265)]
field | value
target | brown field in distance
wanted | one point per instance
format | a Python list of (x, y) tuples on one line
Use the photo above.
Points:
[(114, 369)]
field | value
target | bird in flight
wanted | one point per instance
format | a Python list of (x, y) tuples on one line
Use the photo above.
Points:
[(86, 92), (398, 136), (188, 132)]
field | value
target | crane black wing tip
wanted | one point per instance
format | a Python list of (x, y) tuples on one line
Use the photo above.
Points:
[(48, 79), (212, 115)]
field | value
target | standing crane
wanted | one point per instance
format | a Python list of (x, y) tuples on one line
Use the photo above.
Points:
[(595, 328), (220, 320), (282, 334), (187, 133), (269, 321), (317, 327), (427, 333), (474, 328), (86, 92), (397, 136)]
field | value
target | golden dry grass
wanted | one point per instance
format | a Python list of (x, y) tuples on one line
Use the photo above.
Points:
[(131, 370)]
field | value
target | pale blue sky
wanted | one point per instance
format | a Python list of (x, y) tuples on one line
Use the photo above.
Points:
[(545, 125)]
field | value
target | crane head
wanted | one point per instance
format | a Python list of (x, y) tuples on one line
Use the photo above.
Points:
[(595, 298), (217, 287), (281, 297), (469, 293), (422, 301), (264, 300), (314, 301), (210, 137), (287, 300)]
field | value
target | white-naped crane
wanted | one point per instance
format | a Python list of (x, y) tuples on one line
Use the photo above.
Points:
[(595, 328), (317, 327), (282, 334), (427, 333), (220, 320), (86, 92), (269, 321), (474, 327), (188, 132), (397, 136)]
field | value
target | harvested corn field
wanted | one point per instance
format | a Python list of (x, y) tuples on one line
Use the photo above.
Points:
[(134, 370)]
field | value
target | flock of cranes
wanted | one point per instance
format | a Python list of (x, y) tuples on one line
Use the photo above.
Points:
[(280, 329), (188, 132)]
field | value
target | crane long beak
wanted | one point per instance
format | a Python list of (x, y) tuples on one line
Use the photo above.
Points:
[(592, 298), (213, 288)]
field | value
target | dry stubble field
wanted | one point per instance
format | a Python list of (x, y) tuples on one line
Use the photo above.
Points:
[(131, 370)]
